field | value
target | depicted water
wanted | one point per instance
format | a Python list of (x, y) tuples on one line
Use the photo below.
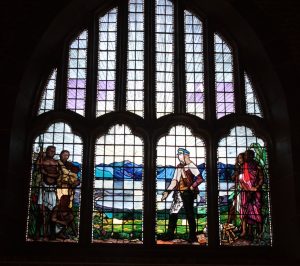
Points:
[(129, 194)]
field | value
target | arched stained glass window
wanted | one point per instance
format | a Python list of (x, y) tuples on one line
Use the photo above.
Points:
[(106, 85), (177, 216), (194, 65), (77, 72), (135, 75), (156, 162), (244, 203), (252, 103), (55, 188), (47, 99), (164, 35), (118, 187), (224, 78)]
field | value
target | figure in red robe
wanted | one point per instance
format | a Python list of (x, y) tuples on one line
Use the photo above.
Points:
[(251, 180)]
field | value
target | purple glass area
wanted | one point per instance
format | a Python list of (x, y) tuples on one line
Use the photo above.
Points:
[(197, 96), (224, 98), (106, 85), (72, 103), (106, 90), (76, 83), (76, 95), (224, 86)]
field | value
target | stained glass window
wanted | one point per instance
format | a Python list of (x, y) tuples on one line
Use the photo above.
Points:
[(194, 65), (181, 214), (47, 99), (77, 74), (243, 189), (164, 33), (55, 188), (177, 199), (107, 63), (252, 103), (223, 78), (135, 71), (118, 188)]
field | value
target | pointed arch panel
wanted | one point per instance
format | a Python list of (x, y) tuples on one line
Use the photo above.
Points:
[(194, 65), (223, 78), (181, 213), (77, 71), (252, 103), (244, 195), (48, 95), (135, 61), (107, 46), (54, 199), (118, 187), (164, 65)]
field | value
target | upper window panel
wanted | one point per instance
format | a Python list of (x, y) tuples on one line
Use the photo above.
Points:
[(47, 99), (223, 78), (194, 65), (252, 103), (106, 82), (164, 33), (77, 69), (135, 61)]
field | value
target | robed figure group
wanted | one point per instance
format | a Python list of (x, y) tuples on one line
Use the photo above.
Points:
[(52, 195)]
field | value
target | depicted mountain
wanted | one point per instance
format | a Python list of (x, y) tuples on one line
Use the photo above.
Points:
[(225, 171), (125, 170), (167, 172)]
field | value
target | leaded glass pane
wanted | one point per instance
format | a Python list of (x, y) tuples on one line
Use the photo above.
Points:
[(106, 82), (194, 65), (55, 187), (47, 99), (244, 194), (76, 86), (118, 188), (135, 62), (223, 78), (164, 33), (252, 103), (181, 210)]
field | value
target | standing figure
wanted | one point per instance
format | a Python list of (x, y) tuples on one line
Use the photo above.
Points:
[(68, 178), (236, 201), (185, 184), (227, 230), (47, 200), (251, 180)]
